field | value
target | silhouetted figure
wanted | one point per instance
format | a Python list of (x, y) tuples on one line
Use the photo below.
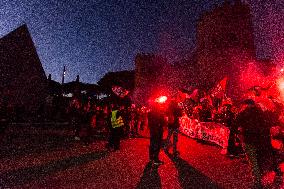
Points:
[(86, 115), (74, 113), (228, 119), (142, 119), (132, 122), (174, 113), (156, 121), (205, 114), (255, 128)]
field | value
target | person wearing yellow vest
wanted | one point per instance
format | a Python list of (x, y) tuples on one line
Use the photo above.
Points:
[(116, 129), (116, 121)]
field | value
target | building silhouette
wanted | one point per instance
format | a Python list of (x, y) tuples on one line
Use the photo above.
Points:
[(227, 26), (225, 44), (23, 81)]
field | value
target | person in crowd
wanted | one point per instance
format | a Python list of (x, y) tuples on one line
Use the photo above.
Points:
[(195, 112), (85, 121), (229, 120), (128, 132), (174, 113), (116, 123), (131, 121), (255, 130), (156, 121), (100, 119), (217, 115), (106, 112), (74, 113), (124, 114), (204, 113), (142, 119), (93, 114)]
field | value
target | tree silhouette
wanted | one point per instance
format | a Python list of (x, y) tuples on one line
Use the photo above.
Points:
[(125, 79)]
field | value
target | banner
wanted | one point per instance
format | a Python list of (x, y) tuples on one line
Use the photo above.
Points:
[(208, 131), (220, 89), (119, 91)]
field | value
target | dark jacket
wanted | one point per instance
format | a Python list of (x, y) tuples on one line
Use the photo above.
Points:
[(156, 121), (255, 126), (174, 113)]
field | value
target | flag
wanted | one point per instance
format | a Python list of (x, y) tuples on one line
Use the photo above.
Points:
[(63, 74), (194, 95), (209, 100), (220, 89), (119, 91)]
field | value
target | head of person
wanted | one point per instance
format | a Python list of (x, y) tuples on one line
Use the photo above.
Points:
[(247, 103), (204, 103), (122, 107), (115, 106), (228, 107)]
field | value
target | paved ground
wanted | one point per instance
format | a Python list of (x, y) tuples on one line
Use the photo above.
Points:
[(33, 157)]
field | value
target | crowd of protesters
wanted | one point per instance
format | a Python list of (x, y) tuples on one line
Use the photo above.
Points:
[(249, 125), (88, 117)]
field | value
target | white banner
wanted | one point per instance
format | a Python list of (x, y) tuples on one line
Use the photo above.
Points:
[(208, 131)]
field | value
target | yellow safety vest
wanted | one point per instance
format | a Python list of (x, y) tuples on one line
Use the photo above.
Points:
[(116, 122)]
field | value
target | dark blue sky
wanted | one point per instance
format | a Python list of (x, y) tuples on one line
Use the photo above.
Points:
[(93, 37)]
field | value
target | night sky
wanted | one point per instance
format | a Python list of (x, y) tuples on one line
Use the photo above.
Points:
[(94, 37)]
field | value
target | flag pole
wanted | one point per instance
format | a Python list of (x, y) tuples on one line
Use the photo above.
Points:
[(63, 74)]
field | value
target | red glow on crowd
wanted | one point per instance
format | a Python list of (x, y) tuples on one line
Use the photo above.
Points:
[(268, 178), (251, 76)]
